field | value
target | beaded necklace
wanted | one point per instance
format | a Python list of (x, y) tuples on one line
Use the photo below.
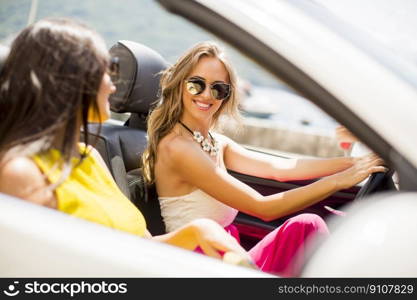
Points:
[(210, 147)]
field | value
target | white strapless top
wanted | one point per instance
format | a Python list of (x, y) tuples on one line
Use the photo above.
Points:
[(180, 210)]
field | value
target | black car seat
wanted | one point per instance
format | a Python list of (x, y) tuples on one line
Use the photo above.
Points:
[(122, 146)]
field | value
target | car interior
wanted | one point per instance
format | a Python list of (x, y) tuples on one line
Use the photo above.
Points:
[(122, 146)]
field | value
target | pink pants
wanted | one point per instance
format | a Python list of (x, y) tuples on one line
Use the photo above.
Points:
[(284, 250)]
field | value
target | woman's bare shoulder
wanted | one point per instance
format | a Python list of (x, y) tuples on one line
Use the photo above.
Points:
[(20, 166), (18, 174), (174, 143)]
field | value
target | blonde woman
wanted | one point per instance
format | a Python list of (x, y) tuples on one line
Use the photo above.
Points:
[(187, 162)]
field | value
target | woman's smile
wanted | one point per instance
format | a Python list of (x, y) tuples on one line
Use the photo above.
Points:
[(202, 105)]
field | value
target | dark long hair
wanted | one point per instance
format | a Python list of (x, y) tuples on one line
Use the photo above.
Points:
[(48, 83)]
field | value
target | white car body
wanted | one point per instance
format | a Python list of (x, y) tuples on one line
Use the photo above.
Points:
[(39, 242)]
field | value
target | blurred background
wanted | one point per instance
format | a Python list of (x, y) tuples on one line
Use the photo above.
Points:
[(276, 118)]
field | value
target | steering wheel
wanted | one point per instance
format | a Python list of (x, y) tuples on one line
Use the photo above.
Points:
[(377, 182)]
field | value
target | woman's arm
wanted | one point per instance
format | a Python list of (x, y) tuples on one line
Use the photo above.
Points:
[(197, 169), (207, 234), (21, 177), (241, 160)]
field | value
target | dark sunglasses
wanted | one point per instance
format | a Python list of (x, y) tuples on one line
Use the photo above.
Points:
[(114, 68), (197, 85)]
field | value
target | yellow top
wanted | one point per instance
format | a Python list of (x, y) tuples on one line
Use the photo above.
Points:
[(90, 193)]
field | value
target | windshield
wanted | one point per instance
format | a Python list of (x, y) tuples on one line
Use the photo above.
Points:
[(372, 86), (392, 23), (386, 32)]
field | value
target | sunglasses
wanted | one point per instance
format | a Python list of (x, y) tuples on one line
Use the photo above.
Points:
[(114, 68), (219, 90)]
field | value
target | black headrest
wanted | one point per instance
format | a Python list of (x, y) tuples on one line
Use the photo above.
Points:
[(4, 51), (138, 84)]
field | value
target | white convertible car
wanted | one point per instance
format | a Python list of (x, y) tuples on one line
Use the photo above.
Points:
[(352, 78)]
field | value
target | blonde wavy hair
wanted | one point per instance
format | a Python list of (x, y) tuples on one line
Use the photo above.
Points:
[(169, 108)]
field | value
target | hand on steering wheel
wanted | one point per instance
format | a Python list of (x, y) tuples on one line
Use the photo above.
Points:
[(360, 170), (379, 181)]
